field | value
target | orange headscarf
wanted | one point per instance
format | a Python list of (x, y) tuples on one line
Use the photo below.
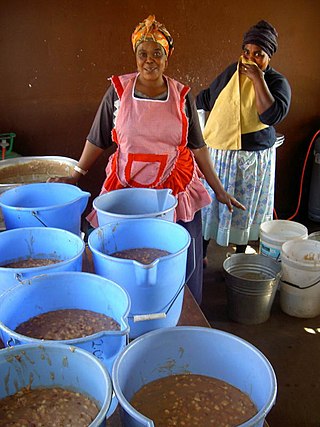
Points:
[(150, 29)]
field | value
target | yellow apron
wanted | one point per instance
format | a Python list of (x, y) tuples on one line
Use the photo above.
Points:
[(234, 113)]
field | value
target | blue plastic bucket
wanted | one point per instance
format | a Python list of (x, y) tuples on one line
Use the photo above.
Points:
[(37, 242), (130, 203), (59, 291), (56, 365), (197, 350), (44, 204), (156, 290)]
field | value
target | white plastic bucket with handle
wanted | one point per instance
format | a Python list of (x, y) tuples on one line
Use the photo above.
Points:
[(274, 233), (300, 281)]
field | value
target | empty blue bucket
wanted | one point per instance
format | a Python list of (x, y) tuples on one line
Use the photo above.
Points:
[(38, 243), (60, 291), (130, 203), (56, 365), (196, 350), (156, 290), (51, 204)]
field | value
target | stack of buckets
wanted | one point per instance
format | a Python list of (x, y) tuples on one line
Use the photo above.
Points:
[(43, 221), (142, 218), (288, 242), (144, 299)]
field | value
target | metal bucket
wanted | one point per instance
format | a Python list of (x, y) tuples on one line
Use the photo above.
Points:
[(251, 282)]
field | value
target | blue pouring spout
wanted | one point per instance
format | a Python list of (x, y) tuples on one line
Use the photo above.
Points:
[(162, 196)]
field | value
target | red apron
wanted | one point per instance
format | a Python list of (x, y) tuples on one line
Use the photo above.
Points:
[(152, 147)]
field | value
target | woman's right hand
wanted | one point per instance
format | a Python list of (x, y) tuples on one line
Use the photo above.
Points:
[(229, 200), (64, 179)]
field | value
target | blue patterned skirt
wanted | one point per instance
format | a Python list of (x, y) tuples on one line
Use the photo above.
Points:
[(249, 176)]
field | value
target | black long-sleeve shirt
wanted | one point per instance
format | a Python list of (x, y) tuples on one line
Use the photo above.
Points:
[(280, 90)]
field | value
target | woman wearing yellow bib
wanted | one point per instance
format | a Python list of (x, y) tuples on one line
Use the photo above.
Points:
[(245, 101)]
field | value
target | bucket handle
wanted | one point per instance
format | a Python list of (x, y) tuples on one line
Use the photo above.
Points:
[(302, 287), (35, 214), (19, 278), (11, 342), (163, 315)]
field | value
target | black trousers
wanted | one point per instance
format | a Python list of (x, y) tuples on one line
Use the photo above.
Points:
[(195, 281)]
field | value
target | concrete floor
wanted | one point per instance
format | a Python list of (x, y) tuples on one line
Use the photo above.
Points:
[(293, 352)]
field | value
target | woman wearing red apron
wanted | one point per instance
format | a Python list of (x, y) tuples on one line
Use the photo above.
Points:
[(152, 123)]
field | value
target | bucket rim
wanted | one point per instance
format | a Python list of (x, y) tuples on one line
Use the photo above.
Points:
[(285, 256), (158, 221), (135, 189), (25, 187), (283, 221), (136, 216), (196, 329), (314, 235), (23, 348), (47, 230), (265, 262), (34, 281), (265, 230)]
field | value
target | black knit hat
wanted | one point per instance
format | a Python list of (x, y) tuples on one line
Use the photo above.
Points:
[(264, 35)]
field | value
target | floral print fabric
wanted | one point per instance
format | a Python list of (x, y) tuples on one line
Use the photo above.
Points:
[(248, 176)]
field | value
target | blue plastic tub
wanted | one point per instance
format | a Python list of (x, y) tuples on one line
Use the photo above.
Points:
[(156, 290), (42, 243), (51, 204), (59, 291), (131, 203), (197, 350), (56, 365)]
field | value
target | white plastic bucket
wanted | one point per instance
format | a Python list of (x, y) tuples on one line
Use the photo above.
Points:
[(196, 350), (131, 203), (274, 233), (300, 281), (56, 365)]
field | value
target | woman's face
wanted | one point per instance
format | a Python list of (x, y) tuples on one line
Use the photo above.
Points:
[(151, 60), (255, 54)]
